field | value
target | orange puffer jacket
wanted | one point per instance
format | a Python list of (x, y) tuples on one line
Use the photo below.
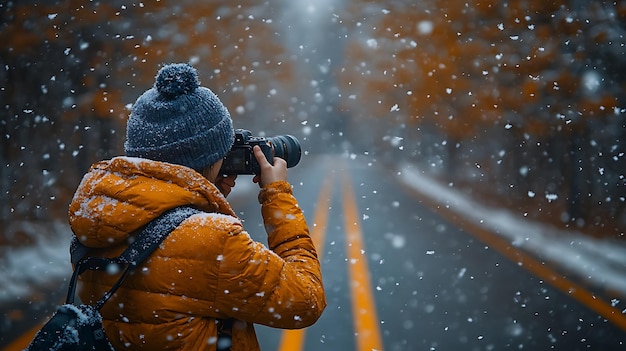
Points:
[(207, 268)]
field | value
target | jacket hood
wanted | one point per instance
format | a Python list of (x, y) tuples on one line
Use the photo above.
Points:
[(119, 196)]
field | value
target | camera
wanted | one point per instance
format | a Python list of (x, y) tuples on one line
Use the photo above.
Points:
[(240, 159)]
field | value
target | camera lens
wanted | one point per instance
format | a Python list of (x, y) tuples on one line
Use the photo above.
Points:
[(287, 147)]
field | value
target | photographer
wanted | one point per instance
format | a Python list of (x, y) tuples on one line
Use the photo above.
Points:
[(209, 281)]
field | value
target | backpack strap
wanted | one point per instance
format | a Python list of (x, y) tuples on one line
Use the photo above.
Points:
[(138, 251)]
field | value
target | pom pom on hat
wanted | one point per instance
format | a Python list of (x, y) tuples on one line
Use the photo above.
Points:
[(176, 79), (178, 121)]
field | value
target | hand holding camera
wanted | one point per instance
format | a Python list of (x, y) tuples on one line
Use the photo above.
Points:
[(269, 173)]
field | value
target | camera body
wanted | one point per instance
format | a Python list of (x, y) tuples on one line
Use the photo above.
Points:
[(240, 159)]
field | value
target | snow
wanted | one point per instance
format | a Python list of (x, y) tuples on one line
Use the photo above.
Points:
[(598, 261), (46, 261)]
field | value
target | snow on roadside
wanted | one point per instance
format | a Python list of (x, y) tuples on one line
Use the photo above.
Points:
[(601, 262), (24, 268)]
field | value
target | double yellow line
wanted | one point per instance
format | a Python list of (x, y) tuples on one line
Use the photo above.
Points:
[(363, 307), (364, 314)]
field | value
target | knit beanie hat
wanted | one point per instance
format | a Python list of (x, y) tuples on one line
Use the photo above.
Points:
[(178, 121)]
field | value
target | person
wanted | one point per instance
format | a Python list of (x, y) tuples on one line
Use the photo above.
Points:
[(208, 274)]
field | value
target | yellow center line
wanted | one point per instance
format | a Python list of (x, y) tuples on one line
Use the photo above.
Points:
[(363, 307), (293, 340)]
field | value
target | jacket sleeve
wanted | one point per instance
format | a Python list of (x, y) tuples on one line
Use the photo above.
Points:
[(280, 287)]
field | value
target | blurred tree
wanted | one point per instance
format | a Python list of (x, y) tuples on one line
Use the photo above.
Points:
[(71, 71), (517, 96)]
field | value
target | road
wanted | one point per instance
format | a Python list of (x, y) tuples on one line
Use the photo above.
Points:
[(401, 274), (435, 284)]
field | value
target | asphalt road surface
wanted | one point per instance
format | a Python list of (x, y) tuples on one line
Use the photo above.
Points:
[(401, 274), (434, 285)]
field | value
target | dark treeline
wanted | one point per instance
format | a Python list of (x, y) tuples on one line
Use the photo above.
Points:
[(521, 103), (72, 69)]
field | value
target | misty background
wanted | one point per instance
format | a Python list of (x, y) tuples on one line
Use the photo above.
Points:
[(517, 104)]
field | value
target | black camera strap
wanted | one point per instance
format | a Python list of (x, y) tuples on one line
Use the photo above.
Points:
[(150, 237)]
